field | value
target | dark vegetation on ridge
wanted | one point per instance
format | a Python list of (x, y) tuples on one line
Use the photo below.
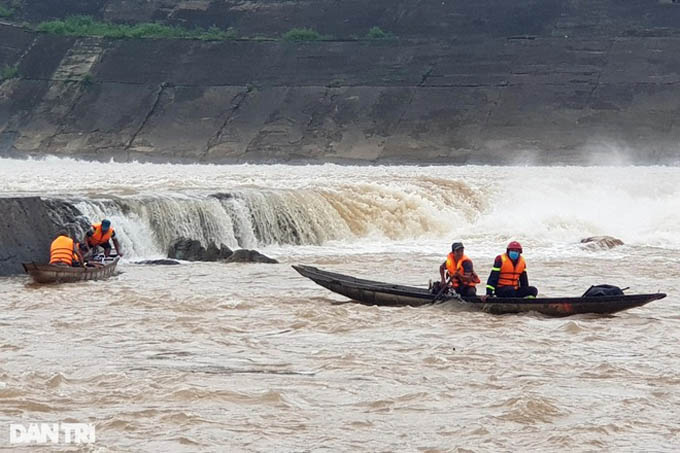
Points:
[(87, 26), (9, 72), (5, 12)]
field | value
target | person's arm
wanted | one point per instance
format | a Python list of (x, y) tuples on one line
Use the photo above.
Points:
[(442, 269), (523, 280), (85, 242), (76, 250), (117, 245), (466, 276), (492, 281)]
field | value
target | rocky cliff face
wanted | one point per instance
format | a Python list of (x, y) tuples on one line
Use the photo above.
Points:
[(26, 232), (487, 82)]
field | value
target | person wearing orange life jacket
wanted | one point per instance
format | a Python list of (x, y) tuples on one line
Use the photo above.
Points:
[(65, 252), (99, 236), (508, 276), (460, 270)]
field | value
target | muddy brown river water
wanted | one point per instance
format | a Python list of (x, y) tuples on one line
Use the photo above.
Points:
[(253, 357)]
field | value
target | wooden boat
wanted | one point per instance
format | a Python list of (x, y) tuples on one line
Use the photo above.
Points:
[(385, 294), (49, 273)]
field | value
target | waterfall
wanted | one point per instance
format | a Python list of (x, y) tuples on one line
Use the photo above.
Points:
[(146, 226)]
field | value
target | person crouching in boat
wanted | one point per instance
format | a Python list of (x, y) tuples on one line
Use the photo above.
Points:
[(508, 276), (99, 236), (462, 277), (65, 252)]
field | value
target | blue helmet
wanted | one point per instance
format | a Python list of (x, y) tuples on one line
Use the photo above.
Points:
[(106, 224)]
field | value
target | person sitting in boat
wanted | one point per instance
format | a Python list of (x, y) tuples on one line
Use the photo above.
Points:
[(462, 277), (508, 276), (65, 252), (99, 236)]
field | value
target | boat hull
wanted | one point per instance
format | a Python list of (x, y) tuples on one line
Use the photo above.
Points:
[(49, 273), (390, 295)]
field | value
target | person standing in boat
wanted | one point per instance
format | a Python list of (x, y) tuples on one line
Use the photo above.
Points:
[(462, 277), (508, 276), (99, 236), (64, 251)]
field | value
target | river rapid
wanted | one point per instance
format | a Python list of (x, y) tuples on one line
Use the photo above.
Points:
[(254, 357)]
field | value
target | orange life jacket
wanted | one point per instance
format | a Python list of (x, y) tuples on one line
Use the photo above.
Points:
[(452, 267), (510, 272), (99, 237), (61, 250)]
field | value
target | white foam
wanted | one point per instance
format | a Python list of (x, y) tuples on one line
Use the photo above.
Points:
[(364, 208)]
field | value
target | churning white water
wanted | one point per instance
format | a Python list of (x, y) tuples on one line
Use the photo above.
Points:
[(253, 357), (277, 205)]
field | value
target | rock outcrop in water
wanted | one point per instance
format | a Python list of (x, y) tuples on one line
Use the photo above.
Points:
[(602, 242), (485, 81), (249, 256), (26, 232), (159, 262), (192, 250)]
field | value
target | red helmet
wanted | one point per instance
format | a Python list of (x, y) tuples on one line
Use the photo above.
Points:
[(514, 245)]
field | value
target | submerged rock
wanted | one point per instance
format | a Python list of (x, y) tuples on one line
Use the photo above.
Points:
[(249, 256), (603, 242), (161, 262)]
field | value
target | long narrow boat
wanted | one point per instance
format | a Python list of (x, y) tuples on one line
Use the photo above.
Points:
[(370, 292), (49, 273)]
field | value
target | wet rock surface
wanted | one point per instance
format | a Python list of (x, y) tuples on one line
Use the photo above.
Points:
[(26, 232), (603, 242), (249, 256), (160, 262), (192, 250)]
